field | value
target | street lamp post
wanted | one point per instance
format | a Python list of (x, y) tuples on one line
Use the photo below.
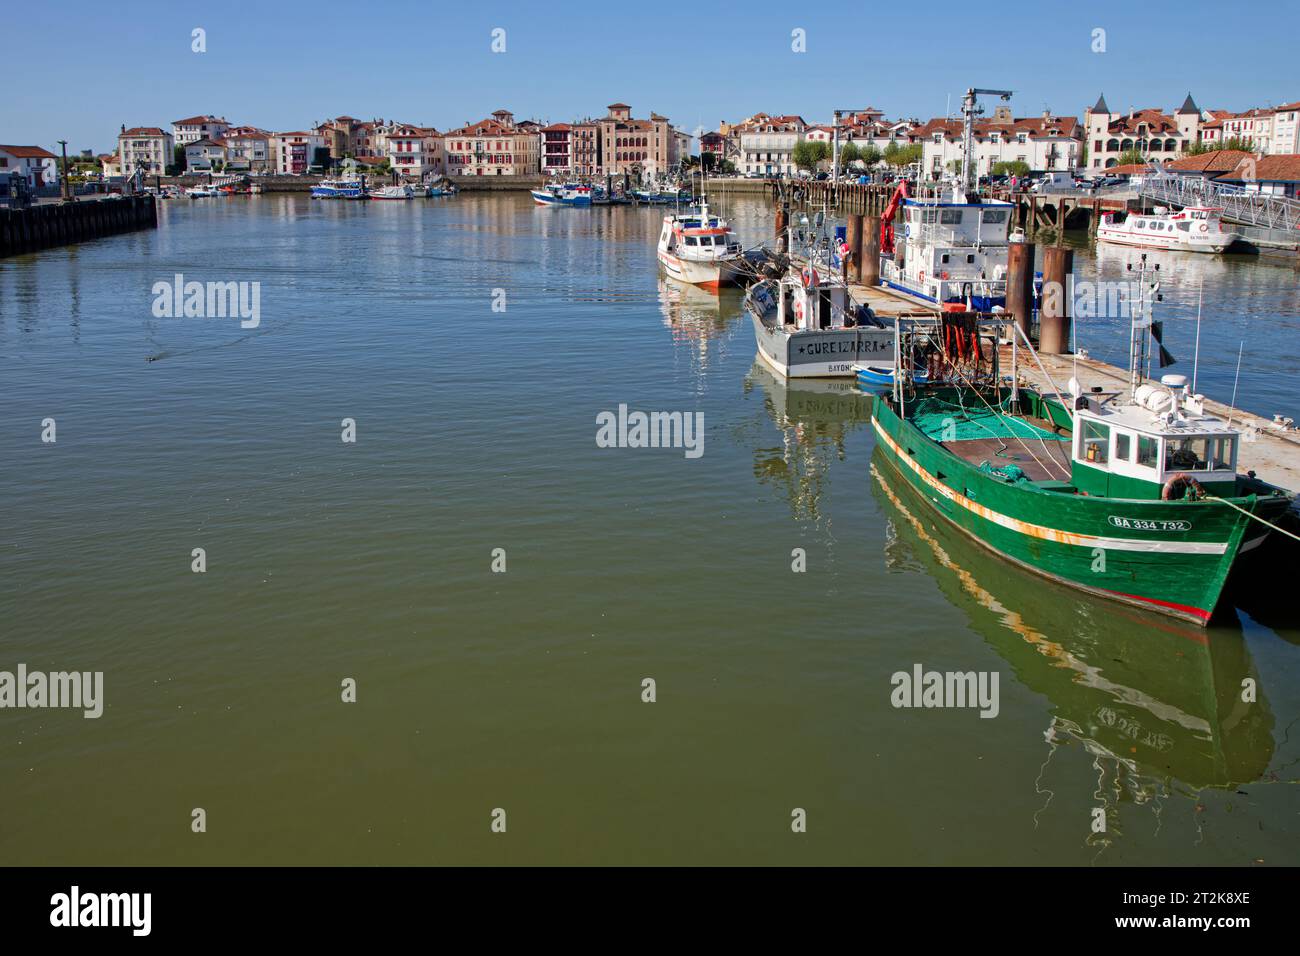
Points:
[(66, 188)]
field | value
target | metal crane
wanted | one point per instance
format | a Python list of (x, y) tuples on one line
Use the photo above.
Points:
[(970, 108)]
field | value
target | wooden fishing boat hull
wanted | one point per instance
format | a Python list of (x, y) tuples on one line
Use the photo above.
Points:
[(1172, 557)]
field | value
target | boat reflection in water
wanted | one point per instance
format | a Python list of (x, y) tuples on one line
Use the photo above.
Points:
[(1156, 704), (815, 416), (697, 317)]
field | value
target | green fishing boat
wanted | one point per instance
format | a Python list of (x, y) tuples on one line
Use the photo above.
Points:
[(1130, 496)]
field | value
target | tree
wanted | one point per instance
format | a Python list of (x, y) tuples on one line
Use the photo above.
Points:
[(850, 153), (1011, 167), (1131, 157), (808, 153), (1196, 149), (896, 155), (1241, 143), (869, 155), (178, 160)]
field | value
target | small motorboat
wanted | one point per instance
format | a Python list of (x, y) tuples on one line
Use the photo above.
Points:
[(393, 192), (882, 376)]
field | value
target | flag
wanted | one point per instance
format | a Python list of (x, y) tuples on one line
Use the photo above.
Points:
[(1157, 330)]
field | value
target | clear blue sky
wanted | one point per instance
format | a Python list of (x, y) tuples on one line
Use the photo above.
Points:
[(78, 69)]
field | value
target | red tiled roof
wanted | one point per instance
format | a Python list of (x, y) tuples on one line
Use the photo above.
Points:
[(1215, 161), (28, 152), (557, 128), (143, 131), (618, 106), (1128, 169), (1035, 126), (486, 127), (198, 120), (1282, 167)]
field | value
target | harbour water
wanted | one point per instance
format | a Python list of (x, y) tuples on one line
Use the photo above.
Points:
[(474, 342)]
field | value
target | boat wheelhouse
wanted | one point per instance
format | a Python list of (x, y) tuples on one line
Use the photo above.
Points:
[(563, 194), (701, 249), (1193, 229), (951, 251)]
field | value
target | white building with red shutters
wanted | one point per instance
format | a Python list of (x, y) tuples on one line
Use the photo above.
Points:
[(495, 146), (415, 152), (1043, 142)]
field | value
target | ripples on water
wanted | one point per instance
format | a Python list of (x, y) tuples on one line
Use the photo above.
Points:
[(476, 431)]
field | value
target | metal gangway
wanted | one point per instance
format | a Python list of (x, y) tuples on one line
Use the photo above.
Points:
[(1238, 204)]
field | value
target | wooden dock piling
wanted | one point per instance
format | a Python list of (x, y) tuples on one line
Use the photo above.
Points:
[(1054, 313), (1020, 283), (854, 237)]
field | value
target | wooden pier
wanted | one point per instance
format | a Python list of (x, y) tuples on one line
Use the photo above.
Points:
[(58, 224)]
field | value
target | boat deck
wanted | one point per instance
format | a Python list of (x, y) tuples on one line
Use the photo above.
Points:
[(1039, 460)]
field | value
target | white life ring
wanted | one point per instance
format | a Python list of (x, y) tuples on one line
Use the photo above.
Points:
[(1204, 228)]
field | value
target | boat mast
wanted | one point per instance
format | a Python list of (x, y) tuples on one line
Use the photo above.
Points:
[(1140, 325)]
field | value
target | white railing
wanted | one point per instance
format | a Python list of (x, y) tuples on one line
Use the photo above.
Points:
[(1238, 205)]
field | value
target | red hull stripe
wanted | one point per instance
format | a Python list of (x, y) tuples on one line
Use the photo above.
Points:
[(1181, 608)]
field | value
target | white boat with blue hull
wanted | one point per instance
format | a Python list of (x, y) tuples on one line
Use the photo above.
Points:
[(953, 249), (339, 189), (563, 194)]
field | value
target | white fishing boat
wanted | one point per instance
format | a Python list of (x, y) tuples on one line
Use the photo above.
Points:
[(701, 249), (203, 192), (954, 241), (806, 325), (953, 248), (394, 192), (1194, 229)]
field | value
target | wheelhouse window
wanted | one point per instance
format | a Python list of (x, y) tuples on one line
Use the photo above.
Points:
[(1095, 444), (1225, 454), (950, 217), (1190, 454), (1148, 451), (994, 215), (1123, 447)]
